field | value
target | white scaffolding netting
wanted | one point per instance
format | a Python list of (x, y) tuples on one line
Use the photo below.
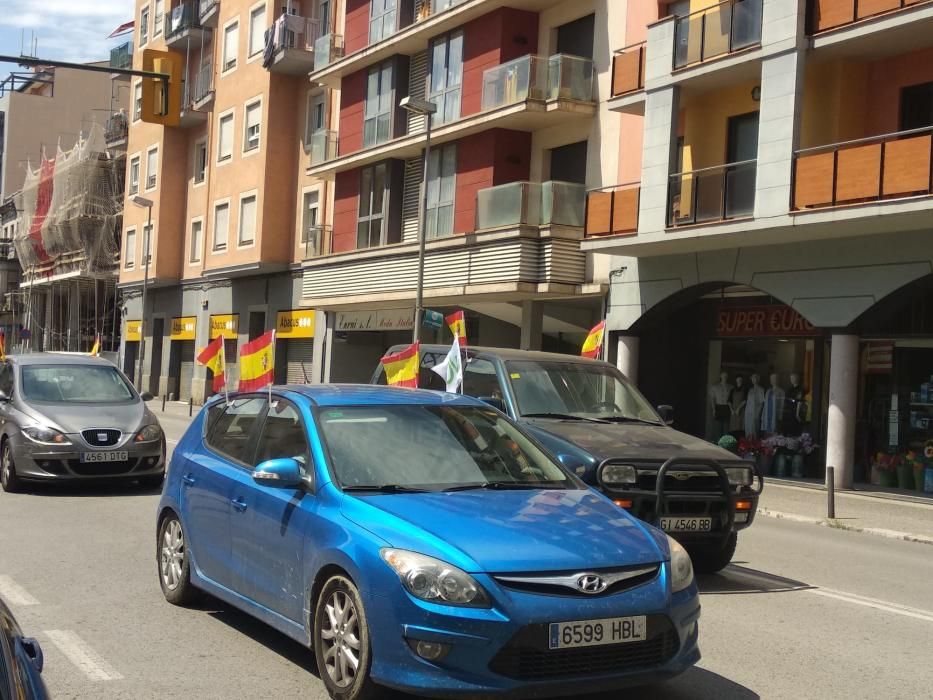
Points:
[(72, 209)]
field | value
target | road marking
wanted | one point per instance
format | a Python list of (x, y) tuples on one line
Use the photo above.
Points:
[(80, 653), (14, 593), (171, 442), (884, 606)]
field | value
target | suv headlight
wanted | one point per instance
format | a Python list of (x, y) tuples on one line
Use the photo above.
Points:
[(739, 476), (434, 580), (150, 433), (618, 474), (45, 436), (681, 566)]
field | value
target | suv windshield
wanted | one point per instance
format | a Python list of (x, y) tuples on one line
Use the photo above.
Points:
[(74, 383), (577, 389), (433, 448)]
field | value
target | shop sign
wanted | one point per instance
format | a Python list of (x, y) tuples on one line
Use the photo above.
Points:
[(879, 357), (134, 331), (381, 320), (226, 325), (183, 328), (295, 324), (751, 321)]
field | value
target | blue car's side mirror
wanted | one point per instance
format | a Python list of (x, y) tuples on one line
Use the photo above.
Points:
[(494, 401), (34, 652), (284, 472)]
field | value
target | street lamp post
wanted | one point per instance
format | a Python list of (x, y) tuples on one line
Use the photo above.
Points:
[(145, 204), (415, 105)]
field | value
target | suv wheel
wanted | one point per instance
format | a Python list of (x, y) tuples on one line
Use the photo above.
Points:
[(709, 559)]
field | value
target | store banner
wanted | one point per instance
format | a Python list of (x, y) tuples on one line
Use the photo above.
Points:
[(295, 324), (879, 357), (225, 325), (381, 320), (134, 331), (183, 328), (758, 321)]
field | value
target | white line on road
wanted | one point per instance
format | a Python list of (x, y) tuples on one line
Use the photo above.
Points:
[(171, 442), (14, 593), (884, 606), (80, 653)]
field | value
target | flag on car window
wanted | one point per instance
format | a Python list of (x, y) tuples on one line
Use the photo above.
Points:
[(2, 346), (457, 324), (257, 362), (402, 367), (451, 368), (593, 344), (213, 358), (95, 348)]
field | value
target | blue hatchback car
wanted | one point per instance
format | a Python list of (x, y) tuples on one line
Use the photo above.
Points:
[(421, 541)]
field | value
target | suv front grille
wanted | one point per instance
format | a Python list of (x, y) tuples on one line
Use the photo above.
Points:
[(102, 437), (700, 482)]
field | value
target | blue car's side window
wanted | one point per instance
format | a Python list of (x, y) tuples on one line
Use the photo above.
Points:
[(231, 433), (283, 435)]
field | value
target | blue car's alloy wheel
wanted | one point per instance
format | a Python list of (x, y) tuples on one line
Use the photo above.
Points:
[(341, 641), (172, 555)]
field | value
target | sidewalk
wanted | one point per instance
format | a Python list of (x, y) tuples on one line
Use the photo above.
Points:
[(884, 512)]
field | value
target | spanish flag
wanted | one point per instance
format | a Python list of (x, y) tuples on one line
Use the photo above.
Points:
[(213, 357), (257, 362), (2, 345), (593, 344), (402, 367), (457, 324), (95, 348)]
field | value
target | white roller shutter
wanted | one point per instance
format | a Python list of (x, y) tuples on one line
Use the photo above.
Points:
[(186, 371), (299, 353)]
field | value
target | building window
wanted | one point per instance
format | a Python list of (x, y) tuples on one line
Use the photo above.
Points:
[(221, 226), (134, 175), (251, 122), (197, 241), (247, 224), (152, 167), (137, 102), (309, 216), (200, 161), (231, 45), (144, 26), (382, 19), (158, 12), (917, 106), (442, 172), (377, 120), (370, 227), (315, 120), (446, 76), (257, 28), (147, 244), (129, 249), (225, 138)]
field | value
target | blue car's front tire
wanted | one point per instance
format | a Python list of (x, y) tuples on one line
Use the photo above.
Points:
[(341, 641), (174, 562)]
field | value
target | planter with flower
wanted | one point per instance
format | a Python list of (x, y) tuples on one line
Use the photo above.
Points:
[(750, 448), (917, 464), (884, 469), (805, 447), (783, 448)]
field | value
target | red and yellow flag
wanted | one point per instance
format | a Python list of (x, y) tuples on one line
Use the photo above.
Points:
[(402, 367), (213, 357), (95, 348), (457, 324), (2, 345), (593, 344), (257, 363)]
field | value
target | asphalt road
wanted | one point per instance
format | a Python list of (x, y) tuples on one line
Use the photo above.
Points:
[(804, 612)]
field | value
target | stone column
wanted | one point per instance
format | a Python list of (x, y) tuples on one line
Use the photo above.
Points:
[(627, 357), (532, 323), (843, 387), (323, 335)]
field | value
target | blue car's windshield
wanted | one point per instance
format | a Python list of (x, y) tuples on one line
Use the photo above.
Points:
[(433, 448)]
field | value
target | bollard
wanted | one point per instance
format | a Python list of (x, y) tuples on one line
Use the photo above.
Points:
[(190, 405), (163, 403), (830, 492)]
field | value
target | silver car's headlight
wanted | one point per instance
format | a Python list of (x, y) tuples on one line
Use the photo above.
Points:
[(739, 476), (150, 433), (43, 435), (434, 580), (681, 566)]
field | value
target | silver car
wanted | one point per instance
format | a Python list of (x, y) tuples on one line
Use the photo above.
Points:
[(74, 417)]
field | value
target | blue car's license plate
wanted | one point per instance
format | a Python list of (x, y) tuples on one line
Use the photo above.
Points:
[(590, 633), (120, 456)]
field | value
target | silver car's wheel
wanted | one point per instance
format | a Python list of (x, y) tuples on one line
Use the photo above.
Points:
[(173, 555), (9, 481), (340, 635)]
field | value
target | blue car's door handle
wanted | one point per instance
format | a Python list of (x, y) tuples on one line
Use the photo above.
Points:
[(188, 479), (239, 504)]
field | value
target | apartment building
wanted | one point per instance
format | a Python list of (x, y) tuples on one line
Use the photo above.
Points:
[(771, 219), (232, 207)]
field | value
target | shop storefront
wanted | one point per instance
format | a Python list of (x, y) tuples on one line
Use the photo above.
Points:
[(181, 356), (226, 326), (132, 335), (362, 337), (294, 337)]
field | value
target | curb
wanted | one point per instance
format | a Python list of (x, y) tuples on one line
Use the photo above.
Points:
[(840, 525)]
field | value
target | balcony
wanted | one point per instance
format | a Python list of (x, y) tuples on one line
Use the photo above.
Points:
[(121, 57), (327, 49), (318, 241), (830, 14), (209, 13), (711, 195), (613, 211), (116, 130), (197, 98), (323, 146), (293, 43), (628, 70), (537, 78), (730, 26), (880, 168), (183, 25), (550, 203)]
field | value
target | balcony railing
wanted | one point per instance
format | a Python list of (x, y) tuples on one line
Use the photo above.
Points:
[(116, 129), (716, 31), (122, 56), (202, 87), (318, 240), (708, 195), (205, 6), (294, 32), (327, 49), (892, 166), (538, 78), (829, 14), (613, 210), (628, 70), (530, 204), (323, 146), (181, 17)]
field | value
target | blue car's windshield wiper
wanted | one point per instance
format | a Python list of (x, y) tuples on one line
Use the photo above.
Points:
[(506, 486), (564, 416), (384, 488)]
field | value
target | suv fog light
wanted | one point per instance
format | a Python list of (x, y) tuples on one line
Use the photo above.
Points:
[(429, 651), (741, 517)]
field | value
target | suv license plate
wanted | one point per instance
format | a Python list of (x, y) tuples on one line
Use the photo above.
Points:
[(104, 456), (686, 524), (591, 633)]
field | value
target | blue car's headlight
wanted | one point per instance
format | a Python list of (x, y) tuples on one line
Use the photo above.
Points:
[(434, 580), (681, 566)]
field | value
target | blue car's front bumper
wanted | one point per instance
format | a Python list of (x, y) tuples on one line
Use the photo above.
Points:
[(503, 650)]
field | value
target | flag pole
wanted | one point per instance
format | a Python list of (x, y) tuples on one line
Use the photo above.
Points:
[(223, 359), (272, 381)]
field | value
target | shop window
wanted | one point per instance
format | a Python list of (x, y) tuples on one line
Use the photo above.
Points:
[(446, 76)]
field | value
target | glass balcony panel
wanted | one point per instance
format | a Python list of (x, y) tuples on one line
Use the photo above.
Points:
[(516, 81), (323, 146), (562, 203), (740, 191), (717, 30), (530, 204), (570, 78), (327, 49), (746, 24), (708, 188)]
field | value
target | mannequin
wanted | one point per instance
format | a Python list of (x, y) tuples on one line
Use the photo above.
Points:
[(795, 407), (737, 405), (719, 403), (754, 402), (774, 403)]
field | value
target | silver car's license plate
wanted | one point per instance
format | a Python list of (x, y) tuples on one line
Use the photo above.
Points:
[(121, 456), (686, 524), (591, 633)]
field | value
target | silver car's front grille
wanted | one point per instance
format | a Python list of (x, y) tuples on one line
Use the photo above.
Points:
[(102, 437)]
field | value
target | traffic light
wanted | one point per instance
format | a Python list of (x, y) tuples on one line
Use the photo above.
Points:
[(161, 103)]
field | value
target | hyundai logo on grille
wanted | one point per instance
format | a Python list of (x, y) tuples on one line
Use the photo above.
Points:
[(591, 583)]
